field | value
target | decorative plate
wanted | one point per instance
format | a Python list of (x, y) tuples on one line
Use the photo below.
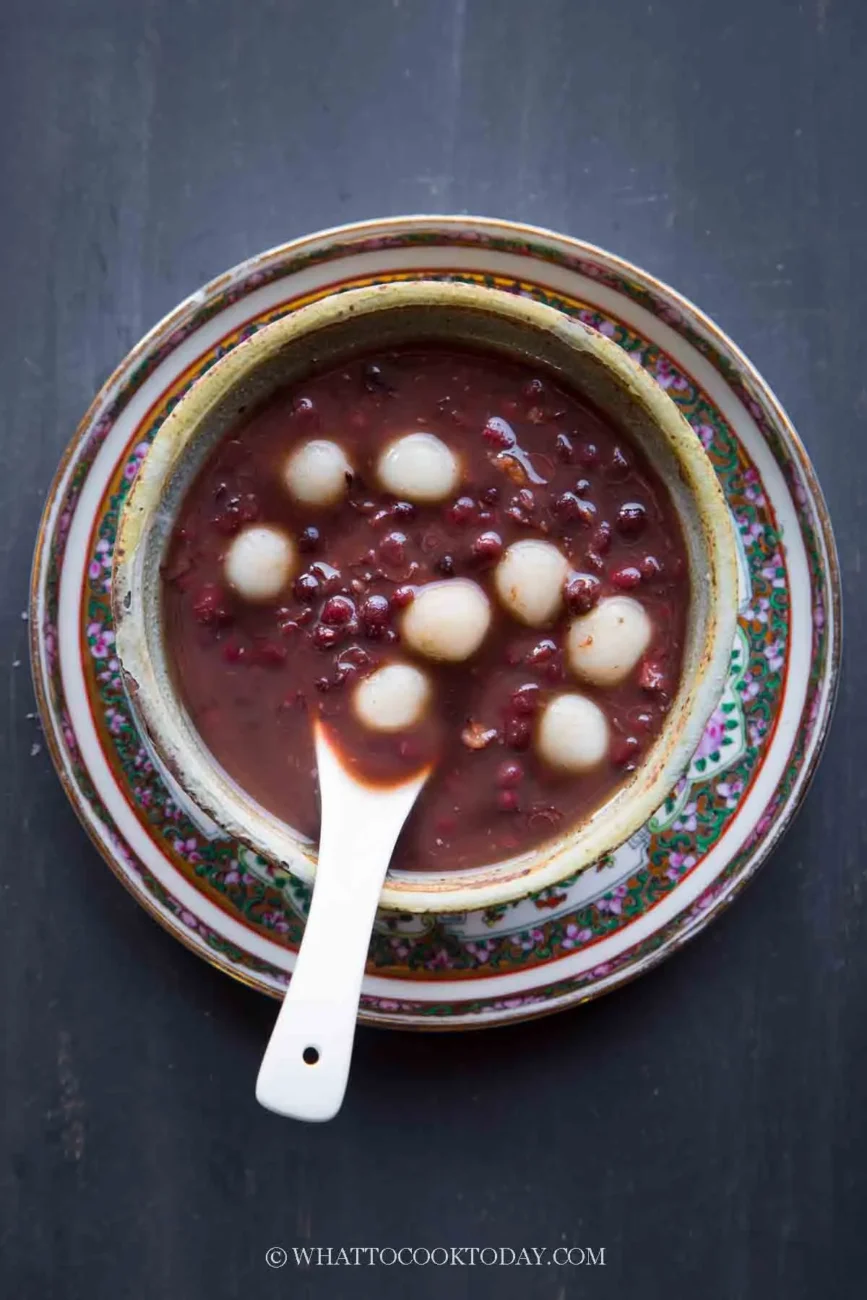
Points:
[(565, 944)]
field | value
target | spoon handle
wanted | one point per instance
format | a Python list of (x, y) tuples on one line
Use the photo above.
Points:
[(306, 1064)]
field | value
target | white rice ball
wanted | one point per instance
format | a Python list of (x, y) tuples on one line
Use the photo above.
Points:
[(529, 581), (392, 698), (604, 646), (315, 473), (259, 563), (419, 467), (572, 734), (447, 620)]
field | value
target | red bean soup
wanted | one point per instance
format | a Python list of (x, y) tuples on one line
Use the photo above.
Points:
[(532, 460)]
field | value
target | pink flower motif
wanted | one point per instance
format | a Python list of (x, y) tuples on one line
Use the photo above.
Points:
[(773, 571), (687, 819), (189, 849), (142, 762), (236, 875), (756, 732), (189, 920), (819, 614), (760, 611), (143, 795), (115, 721), (50, 643), (613, 902), (400, 948), (439, 961), (775, 656), (103, 640), (276, 921), (574, 938), (753, 487), (94, 570), (766, 820), (750, 689), (667, 377), (481, 949), (713, 735), (68, 734), (730, 791), (386, 1004), (529, 939), (751, 531), (706, 435), (679, 864)]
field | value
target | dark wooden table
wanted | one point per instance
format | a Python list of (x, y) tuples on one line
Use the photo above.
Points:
[(705, 1125)]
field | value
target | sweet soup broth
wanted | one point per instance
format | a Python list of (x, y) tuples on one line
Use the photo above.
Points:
[(535, 461)]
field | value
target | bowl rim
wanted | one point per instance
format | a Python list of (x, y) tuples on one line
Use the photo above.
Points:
[(217, 795)]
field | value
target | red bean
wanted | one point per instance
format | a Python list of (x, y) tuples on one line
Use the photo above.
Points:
[(631, 519), (463, 511), (507, 801), (652, 677), (402, 596), (588, 454), (626, 579), (541, 653), (625, 751), (337, 611), (570, 508), (601, 541), (211, 606), (303, 408), (526, 700), (324, 638), (650, 568), (564, 448), (306, 588), (392, 549), (309, 539), (618, 466), (581, 593), (509, 774), (517, 732), (487, 548), (375, 614), (499, 434)]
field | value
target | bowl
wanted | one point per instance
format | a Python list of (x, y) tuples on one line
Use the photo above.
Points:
[(380, 316)]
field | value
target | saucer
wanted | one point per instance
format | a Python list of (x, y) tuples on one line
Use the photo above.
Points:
[(567, 943)]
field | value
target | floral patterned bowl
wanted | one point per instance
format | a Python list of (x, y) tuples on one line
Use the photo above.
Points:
[(385, 314)]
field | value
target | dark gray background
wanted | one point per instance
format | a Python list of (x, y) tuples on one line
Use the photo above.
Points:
[(706, 1125)]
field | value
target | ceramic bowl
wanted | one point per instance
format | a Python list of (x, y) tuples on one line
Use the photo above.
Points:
[(379, 317)]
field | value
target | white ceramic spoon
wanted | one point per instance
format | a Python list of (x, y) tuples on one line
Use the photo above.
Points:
[(306, 1063)]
